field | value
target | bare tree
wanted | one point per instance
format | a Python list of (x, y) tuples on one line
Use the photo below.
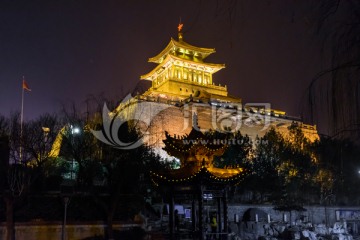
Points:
[(15, 178), (38, 138), (333, 95), (108, 174)]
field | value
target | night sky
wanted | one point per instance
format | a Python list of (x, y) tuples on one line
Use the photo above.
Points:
[(68, 50)]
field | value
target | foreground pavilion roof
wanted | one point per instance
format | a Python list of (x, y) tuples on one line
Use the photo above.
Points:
[(203, 175), (196, 152)]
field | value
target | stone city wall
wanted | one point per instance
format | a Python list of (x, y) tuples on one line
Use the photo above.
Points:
[(158, 116)]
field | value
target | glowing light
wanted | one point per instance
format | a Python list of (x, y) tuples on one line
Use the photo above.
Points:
[(75, 131)]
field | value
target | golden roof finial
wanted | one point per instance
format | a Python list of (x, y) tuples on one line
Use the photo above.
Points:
[(180, 26)]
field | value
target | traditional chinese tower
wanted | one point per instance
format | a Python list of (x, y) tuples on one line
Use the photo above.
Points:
[(197, 176), (182, 73)]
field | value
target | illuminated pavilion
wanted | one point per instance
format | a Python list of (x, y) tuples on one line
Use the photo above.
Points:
[(197, 178), (181, 72)]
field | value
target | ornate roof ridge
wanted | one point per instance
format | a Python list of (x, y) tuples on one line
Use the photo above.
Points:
[(205, 51), (215, 66), (183, 43)]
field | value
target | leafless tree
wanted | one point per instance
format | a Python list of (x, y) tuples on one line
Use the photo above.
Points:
[(38, 138), (333, 94)]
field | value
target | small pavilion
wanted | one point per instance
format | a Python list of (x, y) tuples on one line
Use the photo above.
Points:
[(197, 178)]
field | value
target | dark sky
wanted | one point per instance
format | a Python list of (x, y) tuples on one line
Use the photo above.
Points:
[(70, 49)]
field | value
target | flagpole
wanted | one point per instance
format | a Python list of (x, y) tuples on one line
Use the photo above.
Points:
[(21, 118)]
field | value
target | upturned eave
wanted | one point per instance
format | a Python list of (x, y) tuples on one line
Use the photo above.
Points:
[(205, 52), (167, 62)]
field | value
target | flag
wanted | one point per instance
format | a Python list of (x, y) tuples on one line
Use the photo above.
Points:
[(25, 86)]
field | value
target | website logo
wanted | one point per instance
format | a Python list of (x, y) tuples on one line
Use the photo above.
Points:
[(142, 113)]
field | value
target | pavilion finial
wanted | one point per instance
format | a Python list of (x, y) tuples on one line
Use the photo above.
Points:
[(180, 34), (180, 26)]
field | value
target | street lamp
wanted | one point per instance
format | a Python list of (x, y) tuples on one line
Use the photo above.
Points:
[(74, 131), (66, 191), (66, 203)]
